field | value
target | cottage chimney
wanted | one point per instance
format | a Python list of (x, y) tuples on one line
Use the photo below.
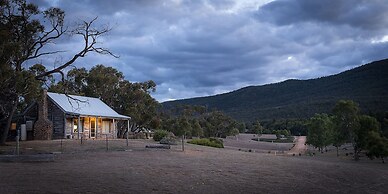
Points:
[(43, 128)]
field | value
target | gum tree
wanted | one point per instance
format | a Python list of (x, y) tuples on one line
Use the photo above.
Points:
[(346, 122), (23, 38), (367, 126), (320, 129)]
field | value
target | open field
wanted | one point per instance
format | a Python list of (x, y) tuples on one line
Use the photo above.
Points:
[(134, 169)]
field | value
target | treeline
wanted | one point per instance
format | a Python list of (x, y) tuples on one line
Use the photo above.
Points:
[(347, 125), (197, 121), (294, 126)]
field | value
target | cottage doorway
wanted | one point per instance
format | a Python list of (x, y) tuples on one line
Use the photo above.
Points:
[(92, 127)]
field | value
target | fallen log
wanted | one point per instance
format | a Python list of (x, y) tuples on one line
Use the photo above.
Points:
[(158, 146)]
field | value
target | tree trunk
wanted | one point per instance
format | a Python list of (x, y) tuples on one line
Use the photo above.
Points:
[(356, 156), (123, 130), (120, 130), (4, 133)]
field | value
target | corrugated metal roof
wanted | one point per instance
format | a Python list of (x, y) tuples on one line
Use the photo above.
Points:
[(86, 106)]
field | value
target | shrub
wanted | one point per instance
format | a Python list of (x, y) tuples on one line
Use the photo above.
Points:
[(168, 141), (160, 134), (212, 142), (216, 140), (234, 132)]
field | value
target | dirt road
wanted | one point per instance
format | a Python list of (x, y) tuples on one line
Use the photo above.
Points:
[(300, 147)]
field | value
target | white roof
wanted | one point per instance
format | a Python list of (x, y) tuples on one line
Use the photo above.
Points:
[(85, 106)]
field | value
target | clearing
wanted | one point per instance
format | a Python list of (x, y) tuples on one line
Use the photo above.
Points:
[(89, 168)]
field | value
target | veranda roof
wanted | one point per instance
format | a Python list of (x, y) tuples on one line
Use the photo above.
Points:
[(84, 106)]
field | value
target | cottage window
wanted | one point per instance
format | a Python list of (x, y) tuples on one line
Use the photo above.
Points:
[(105, 127), (76, 126), (13, 126)]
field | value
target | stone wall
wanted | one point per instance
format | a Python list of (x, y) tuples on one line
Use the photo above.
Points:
[(43, 128)]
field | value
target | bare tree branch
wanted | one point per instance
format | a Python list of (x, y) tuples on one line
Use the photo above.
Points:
[(90, 36), (45, 53)]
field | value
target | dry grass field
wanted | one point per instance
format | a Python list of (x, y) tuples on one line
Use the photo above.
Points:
[(90, 168)]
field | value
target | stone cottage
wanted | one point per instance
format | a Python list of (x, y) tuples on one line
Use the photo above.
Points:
[(71, 116)]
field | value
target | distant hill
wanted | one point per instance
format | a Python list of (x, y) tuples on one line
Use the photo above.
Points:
[(366, 85)]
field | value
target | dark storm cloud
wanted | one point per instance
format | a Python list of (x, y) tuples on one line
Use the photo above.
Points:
[(205, 47), (365, 14)]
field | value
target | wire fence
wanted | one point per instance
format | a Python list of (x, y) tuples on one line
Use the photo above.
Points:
[(80, 145)]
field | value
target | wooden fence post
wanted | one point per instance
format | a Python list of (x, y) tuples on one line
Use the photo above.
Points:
[(107, 142), (183, 143)]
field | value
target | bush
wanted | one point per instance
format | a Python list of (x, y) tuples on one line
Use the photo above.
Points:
[(160, 134), (216, 140), (168, 141), (211, 142)]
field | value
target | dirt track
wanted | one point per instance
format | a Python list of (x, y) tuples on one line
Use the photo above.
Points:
[(197, 170), (244, 142), (300, 147)]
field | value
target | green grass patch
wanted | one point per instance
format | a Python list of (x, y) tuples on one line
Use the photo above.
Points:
[(211, 142)]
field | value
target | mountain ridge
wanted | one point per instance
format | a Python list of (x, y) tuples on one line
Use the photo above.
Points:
[(293, 98)]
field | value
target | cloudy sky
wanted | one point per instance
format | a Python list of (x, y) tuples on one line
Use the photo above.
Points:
[(204, 47)]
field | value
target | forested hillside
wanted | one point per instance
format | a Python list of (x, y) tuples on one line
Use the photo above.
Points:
[(366, 85)]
